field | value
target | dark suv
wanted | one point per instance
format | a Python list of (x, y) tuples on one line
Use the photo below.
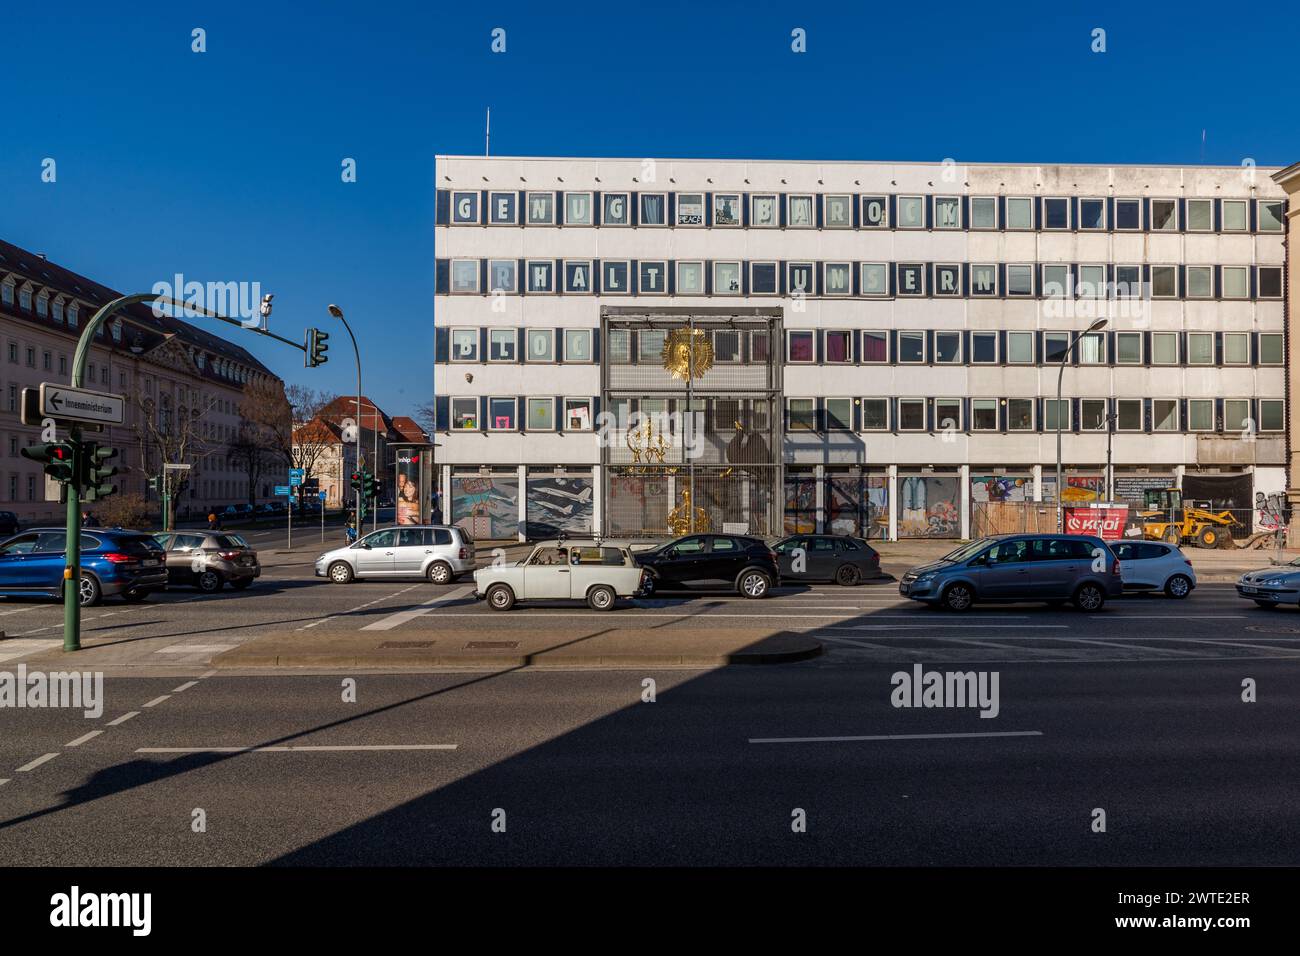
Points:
[(126, 563), (711, 561), (1019, 567)]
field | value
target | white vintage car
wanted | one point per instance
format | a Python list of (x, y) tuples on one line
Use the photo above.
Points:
[(598, 572)]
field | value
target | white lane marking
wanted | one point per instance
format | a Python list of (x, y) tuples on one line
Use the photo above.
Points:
[(36, 763), (1259, 647), (758, 615), (83, 738), (359, 607), (820, 740), (294, 749), (927, 627), (4, 781), (1135, 644), (157, 700), (1173, 617), (401, 617), (184, 687), (124, 718)]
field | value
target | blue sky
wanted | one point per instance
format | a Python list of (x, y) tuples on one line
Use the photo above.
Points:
[(225, 165)]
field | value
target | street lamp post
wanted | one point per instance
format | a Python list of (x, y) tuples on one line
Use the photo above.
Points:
[(1060, 376), (335, 311)]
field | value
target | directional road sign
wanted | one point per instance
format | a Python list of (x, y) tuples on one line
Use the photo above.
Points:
[(82, 405)]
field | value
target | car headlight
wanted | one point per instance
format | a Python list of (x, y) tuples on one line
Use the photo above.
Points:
[(925, 579), (1274, 582)]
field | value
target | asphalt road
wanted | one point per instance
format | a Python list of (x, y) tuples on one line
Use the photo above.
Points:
[(1136, 711)]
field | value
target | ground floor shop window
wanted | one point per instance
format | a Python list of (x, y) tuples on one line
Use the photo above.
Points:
[(929, 506), (559, 503), (487, 506), (857, 505)]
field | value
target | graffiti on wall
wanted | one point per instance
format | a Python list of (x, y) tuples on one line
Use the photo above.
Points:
[(487, 506), (929, 507), (1273, 511), (559, 504), (1001, 488)]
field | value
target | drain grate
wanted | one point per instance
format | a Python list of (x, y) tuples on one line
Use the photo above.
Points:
[(491, 645), (404, 645)]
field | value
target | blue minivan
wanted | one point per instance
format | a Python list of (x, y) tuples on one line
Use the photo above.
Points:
[(126, 563), (1054, 568)]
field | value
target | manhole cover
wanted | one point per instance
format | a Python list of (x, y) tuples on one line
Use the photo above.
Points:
[(1261, 629), (491, 645), (403, 645)]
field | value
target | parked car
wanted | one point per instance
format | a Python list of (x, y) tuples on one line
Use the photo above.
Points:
[(826, 557), (1269, 587), (125, 563), (209, 560), (1054, 568), (1155, 566), (713, 561), (8, 522), (439, 553), (598, 572)]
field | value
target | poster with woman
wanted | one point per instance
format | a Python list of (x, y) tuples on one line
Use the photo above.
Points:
[(408, 489)]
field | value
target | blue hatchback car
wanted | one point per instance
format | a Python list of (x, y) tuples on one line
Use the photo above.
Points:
[(126, 563)]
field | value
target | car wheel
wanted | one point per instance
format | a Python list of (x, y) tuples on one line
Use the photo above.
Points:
[(439, 573), (1173, 537), (753, 584), (500, 597), (1089, 598), (1179, 586), (848, 575), (648, 589), (241, 584), (601, 598), (90, 592), (133, 596), (341, 572), (209, 582), (958, 597), (1266, 605)]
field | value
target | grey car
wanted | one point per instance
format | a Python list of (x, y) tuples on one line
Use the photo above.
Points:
[(440, 553), (1271, 587), (209, 559), (1054, 568)]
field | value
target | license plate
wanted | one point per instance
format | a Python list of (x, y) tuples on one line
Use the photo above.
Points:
[(904, 588), (150, 562), (1247, 590)]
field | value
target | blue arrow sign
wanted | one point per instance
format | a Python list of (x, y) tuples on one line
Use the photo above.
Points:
[(282, 490)]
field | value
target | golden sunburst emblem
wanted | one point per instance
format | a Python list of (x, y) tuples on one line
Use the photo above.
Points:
[(687, 353)]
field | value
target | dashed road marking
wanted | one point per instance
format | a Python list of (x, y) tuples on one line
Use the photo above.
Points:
[(294, 749), (184, 687), (124, 718), (83, 738), (157, 700), (37, 762), (401, 617), (822, 740)]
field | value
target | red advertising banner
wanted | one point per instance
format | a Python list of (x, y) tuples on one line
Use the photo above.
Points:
[(1106, 522)]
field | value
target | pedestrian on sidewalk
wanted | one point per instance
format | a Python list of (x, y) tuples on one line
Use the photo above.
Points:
[(350, 529), (214, 523)]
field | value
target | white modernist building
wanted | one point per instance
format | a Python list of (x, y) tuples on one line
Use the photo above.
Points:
[(908, 321)]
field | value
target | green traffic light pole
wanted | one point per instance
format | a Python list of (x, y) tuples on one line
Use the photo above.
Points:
[(72, 565)]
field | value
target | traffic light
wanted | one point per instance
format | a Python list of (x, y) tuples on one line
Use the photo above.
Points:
[(59, 459), (316, 348), (155, 484), (357, 482), (372, 486), (95, 471)]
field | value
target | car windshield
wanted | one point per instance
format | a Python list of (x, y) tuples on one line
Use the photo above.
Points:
[(967, 550)]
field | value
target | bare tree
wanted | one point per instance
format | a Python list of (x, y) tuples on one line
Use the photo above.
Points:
[(253, 454), (173, 434), (279, 414), (426, 416)]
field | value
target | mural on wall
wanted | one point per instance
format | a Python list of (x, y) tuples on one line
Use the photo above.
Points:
[(1077, 488), (1273, 512), (800, 505), (487, 506), (559, 503), (929, 507), (857, 505), (985, 488)]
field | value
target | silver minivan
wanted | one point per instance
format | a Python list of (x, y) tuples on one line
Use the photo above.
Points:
[(439, 553)]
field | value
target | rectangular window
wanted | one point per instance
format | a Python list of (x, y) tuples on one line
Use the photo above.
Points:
[(947, 212), (501, 275), (650, 345), (726, 278), (1269, 214), (1234, 282), (502, 209), (984, 414), (1128, 214), (1020, 212), (1020, 414), (464, 345), (947, 415), (501, 414), (1270, 348), (464, 414), (620, 346), (1164, 415), (652, 277), (799, 212), (799, 346), (800, 277), (726, 210), (577, 277), (1200, 414), (763, 211), (1092, 214), (1234, 215), (911, 414), (1092, 414), (1020, 348), (802, 414), (838, 346), (838, 211), (1092, 282), (838, 278), (911, 278), (911, 347), (654, 209), (839, 414), (1056, 281), (1051, 409), (1271, 417), (1128, 282), (1056, 213), (47, 361), (875, 278), (1200, 215), (1270, 282), (541, 414), (690, 209), (1055, 345), (984, 348), (1091, 349), (947, 348), (1200, 282), (615, 209), (1020, 280), (503, 345), (1236, 414), (911, 212), (1164, 282), (875, 414), (762, 278), (758, 342), (578, 208), (577, 415), (615, 277), (983, 212), (726, 345), (541, 209), (1236, 348), (1164, 215), (875, 347), (1128, 348), (1129, 411), (1164, 348), (875, 212), (983, 280), (541, 345), (690, 278)]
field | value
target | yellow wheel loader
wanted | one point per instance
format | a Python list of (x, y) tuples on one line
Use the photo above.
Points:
[(1167, 517)]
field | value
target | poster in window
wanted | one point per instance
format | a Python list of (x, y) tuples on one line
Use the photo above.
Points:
[(690, 209), (408, 487), (726, 209)]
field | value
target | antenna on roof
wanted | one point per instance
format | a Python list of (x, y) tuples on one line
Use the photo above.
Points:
[(487, 134)]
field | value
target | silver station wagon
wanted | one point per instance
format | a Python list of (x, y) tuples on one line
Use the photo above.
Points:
[(437, 553), (598, 572)]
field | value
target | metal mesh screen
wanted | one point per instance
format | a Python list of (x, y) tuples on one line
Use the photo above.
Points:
[(659, 502)]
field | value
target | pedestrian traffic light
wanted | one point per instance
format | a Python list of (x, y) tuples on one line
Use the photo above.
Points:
[(59, 459), (357, 481), (95, 471), (316, 348)]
